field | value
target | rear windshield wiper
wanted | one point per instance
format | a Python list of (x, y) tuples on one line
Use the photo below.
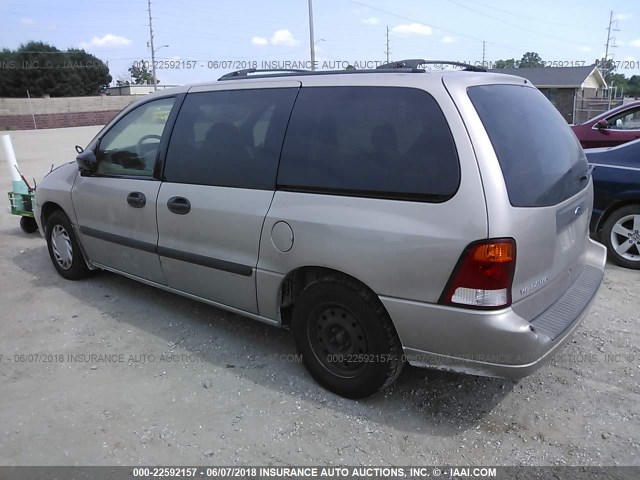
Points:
[(587, 174)]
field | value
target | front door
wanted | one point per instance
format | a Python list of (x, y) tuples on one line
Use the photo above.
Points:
[(116, 206), (219, 180)]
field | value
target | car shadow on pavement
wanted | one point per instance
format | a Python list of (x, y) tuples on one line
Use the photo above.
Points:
[(17, 232), (420, 401)]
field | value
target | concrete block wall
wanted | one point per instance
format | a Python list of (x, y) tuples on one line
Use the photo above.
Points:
[(16, 113)]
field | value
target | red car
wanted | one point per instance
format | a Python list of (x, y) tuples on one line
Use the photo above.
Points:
[(619, 125)]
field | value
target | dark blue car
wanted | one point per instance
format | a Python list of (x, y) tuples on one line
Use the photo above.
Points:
[(616, 206)]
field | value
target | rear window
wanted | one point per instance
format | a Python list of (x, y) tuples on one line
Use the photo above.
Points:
[(385, 142), (541, 159)]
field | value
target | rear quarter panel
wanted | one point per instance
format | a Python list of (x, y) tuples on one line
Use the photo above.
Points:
[(397, 248), (613, 187), (544, 250)]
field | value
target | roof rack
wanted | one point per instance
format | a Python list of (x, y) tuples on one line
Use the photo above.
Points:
[(277, 72), (415, 63), (245, 72), (406, 66)]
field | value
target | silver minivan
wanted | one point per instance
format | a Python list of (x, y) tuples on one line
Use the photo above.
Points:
[(390, 216)]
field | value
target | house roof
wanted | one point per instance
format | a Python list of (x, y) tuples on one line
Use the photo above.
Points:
[(558, 77)]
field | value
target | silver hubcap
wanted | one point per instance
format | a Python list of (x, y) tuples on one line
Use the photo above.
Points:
[(61, 246), (625, 237)]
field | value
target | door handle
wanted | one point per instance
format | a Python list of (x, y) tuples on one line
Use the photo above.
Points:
[(137, 199), (179, 205)]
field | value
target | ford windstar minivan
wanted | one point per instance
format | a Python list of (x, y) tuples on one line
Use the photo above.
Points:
[(398, 215)]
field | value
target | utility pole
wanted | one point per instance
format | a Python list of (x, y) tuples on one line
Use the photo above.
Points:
[(387, 51), (483, 52), (312, 43), (609, 43), (153, 52), (605, 65)]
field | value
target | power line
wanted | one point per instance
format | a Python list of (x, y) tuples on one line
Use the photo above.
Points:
[(519, 27), (459, 34), (520, 16), (357, 2)]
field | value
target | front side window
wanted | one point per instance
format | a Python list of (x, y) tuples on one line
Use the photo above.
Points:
[(385, 142), (229, 138), (629, 120), (130, 147)]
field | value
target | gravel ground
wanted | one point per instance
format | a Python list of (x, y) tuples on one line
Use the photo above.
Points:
[(186, 383)]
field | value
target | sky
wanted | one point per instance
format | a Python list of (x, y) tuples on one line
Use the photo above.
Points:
[(198, 40)]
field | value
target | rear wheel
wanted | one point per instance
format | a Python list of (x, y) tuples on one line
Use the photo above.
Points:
[(621, 234), (346, 338), (64, 249)]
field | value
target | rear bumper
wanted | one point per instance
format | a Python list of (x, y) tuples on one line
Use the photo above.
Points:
[(495, 343)]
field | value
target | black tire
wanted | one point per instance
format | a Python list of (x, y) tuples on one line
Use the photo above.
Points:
[(358, 353), (631, 258), (74, 268), (28, 224)]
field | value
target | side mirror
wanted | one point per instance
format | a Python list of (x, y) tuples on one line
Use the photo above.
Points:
[(602, 125), (87, 161)]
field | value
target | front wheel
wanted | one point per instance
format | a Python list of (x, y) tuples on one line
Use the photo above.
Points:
[(63, 247), (346, 338), (621, 235)]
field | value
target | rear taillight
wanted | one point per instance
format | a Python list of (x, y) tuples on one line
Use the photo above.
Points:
[(483, 275)]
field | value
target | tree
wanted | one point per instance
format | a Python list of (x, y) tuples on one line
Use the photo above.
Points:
[(510, 63), (140, 73), (630, 86), (633, 86), (607, 67), (124, 80), (531, 59), (42, 69), (619, 81), (91, 73)]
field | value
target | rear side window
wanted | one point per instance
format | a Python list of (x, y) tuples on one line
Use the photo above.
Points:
[(541, 160), (229, 138), (372, 141)]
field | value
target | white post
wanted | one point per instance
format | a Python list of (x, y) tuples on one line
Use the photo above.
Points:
[(33, 117), (10, 157), (312, 43), (18, 186)]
